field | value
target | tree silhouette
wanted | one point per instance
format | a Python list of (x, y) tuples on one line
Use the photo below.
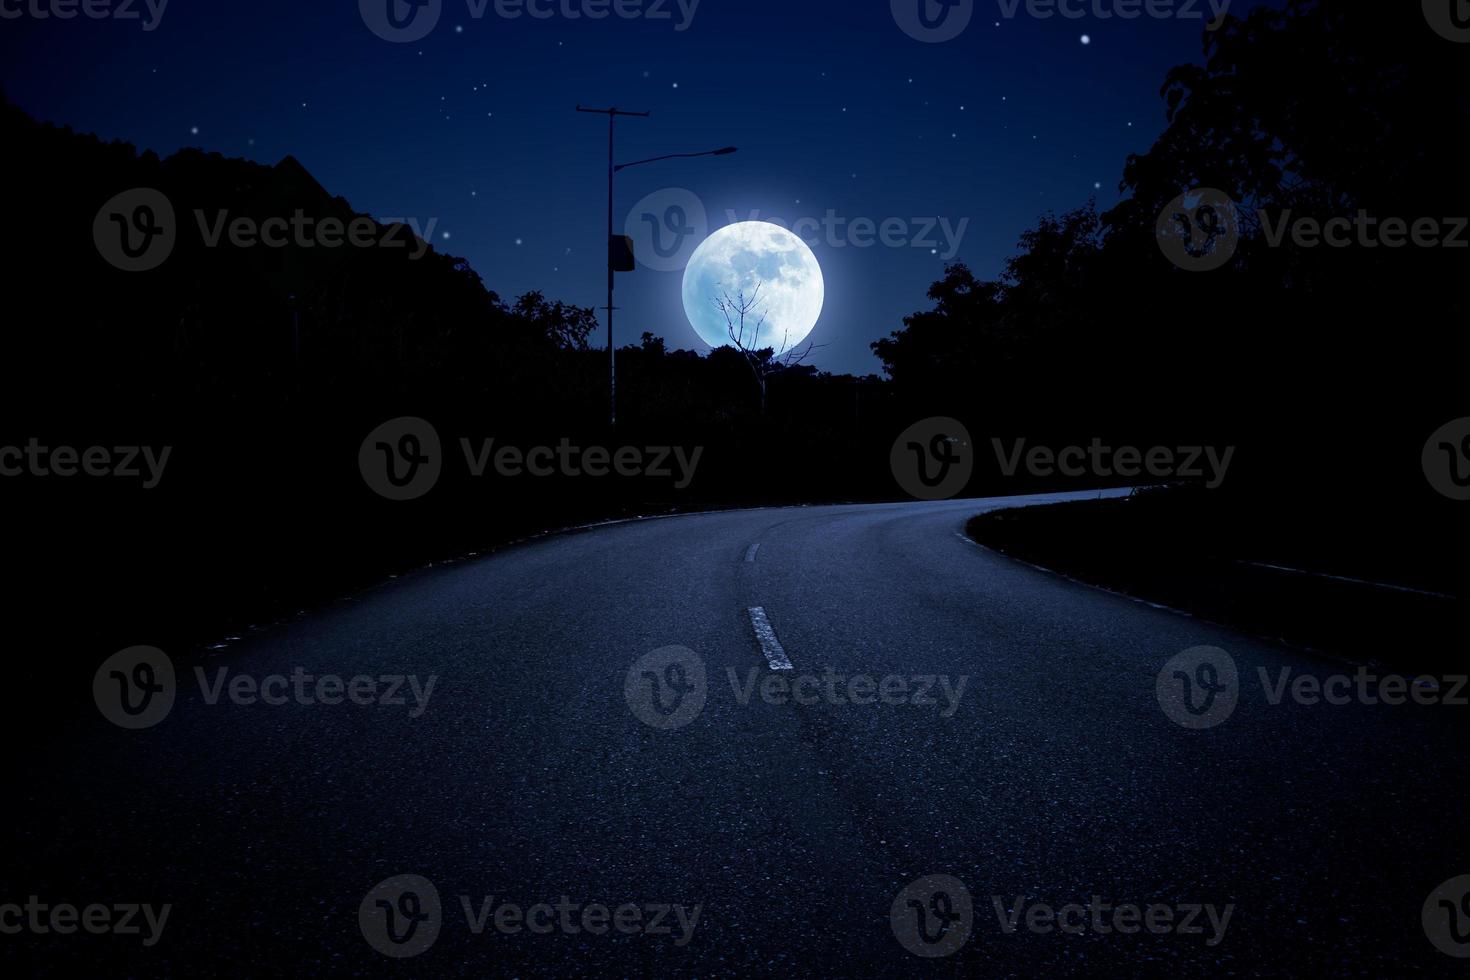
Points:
[(744, 321)]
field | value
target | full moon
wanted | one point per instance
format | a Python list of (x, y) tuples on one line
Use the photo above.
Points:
[(740, 258)]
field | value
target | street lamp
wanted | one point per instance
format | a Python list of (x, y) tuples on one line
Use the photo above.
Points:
[(723, 151), (612, 168)]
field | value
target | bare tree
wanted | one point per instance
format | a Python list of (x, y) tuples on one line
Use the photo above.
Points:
[(744, 321)]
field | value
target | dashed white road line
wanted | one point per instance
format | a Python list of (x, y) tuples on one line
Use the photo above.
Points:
[(770, 646), (750, 552)]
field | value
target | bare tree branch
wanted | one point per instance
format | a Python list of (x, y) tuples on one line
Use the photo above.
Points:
[(739, 311)]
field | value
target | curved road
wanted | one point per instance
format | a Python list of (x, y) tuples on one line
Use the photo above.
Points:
[(1052, 774)]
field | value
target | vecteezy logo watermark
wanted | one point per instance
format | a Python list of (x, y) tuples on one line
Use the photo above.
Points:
[(275, 690), (124, 462), (1363, 687), (1101, 460), (933, 21), (1449, 18), (669, 687), (933, 458), (666, 227), (1446, 459), (407, 21), (1121, 9), (933, 916), (135, 688), (1104, 918), (1199, 688), (401, 21), (573, 918), (302, 230), (1366, 231), (401, 459), (834, 231), (565, 459), (1199, 230), (666, 688), (136, 231), (1446, 917), (859, 689), (148, 12), (401, 916), (40, 919)]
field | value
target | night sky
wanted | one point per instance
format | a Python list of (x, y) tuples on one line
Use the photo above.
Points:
[(832, 105)]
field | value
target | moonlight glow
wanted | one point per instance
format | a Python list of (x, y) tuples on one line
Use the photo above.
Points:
[(742, 256)]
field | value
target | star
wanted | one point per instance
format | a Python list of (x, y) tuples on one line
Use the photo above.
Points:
[(1086, 39)]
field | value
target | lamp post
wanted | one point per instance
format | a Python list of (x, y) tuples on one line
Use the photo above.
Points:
[(612, 168)]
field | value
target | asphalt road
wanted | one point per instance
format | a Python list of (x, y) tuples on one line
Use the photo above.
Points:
[(530, 776)]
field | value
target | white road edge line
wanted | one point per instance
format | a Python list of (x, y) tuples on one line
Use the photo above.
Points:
[(1170, 609), (770, 646), (750, 552)]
